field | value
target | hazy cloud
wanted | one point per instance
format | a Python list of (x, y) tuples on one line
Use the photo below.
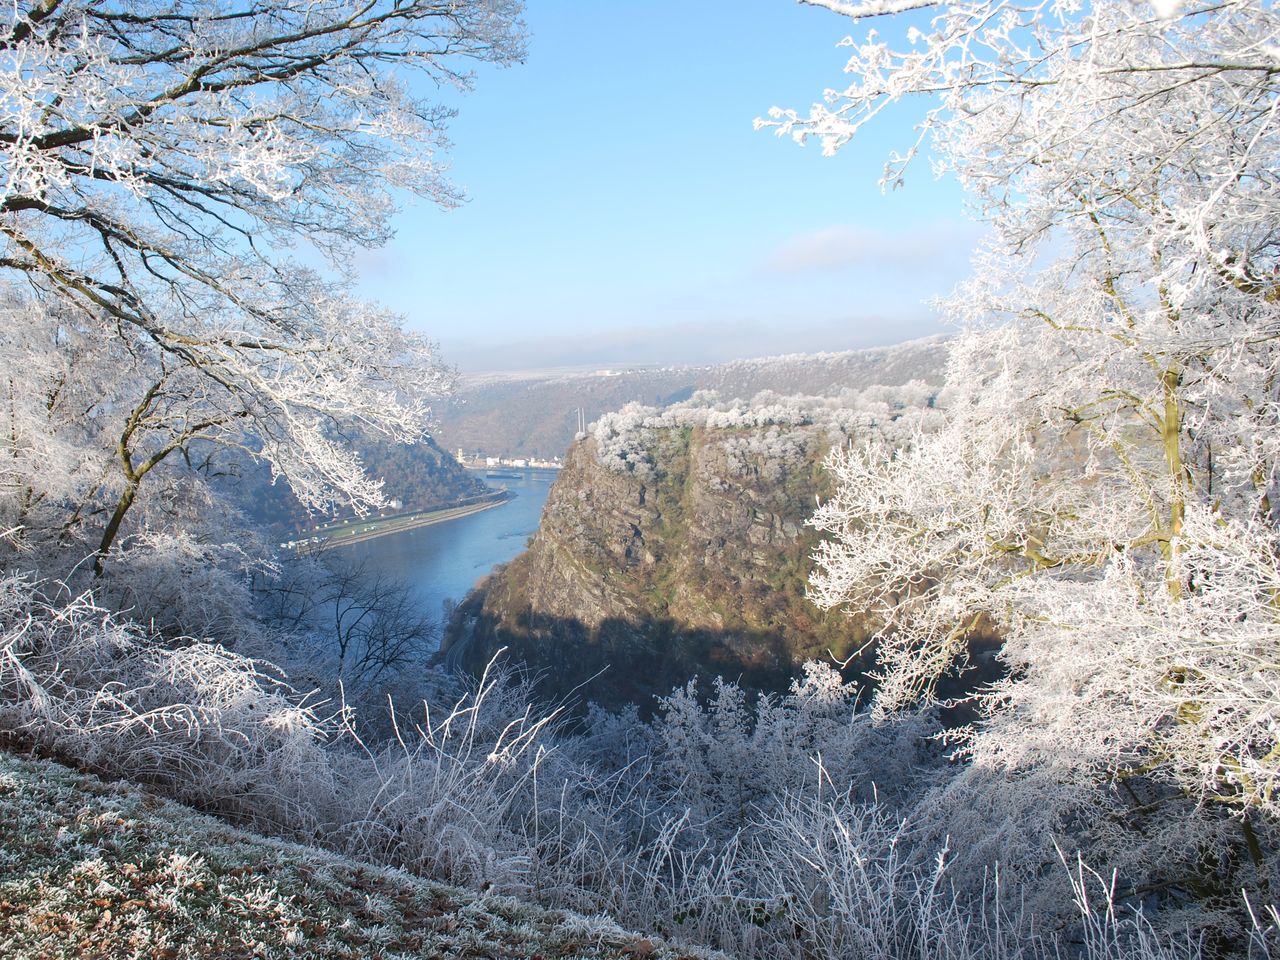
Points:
[(839, 249), (379, 263)]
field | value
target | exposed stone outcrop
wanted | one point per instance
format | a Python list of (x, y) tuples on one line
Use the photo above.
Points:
[(693, 566)]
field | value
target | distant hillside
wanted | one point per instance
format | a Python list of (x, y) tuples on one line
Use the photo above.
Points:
[(419, 476), (537, 415)]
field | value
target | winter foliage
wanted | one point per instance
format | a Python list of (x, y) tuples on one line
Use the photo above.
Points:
[(159, 160), (1102, 487), (760, 828), (773, 427), (527, 412), (1096, 484)]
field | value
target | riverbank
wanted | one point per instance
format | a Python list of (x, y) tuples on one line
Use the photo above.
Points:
[(349, 532)]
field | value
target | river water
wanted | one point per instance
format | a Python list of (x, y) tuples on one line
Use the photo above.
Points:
[(444, 561)]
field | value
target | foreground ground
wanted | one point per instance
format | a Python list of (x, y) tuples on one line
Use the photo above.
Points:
[(94, 869)]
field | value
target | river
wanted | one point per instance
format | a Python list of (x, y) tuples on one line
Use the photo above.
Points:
[(444, 560)]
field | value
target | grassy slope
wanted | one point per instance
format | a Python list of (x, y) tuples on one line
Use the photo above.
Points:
[(94, 869)]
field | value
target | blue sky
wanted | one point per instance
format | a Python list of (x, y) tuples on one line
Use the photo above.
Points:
[(623, 210)]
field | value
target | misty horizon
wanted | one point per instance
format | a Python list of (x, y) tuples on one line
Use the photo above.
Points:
[(683, 344)]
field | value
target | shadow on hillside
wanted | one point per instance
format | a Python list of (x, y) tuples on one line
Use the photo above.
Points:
[(627, 662)]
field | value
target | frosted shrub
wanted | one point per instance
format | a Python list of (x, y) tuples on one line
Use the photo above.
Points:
[(208, 726), (184, 584), (769, 453), (452, 794), (771, 827), (725, 760), (762, 828), (774, 828), (623, 438), (839, 873)]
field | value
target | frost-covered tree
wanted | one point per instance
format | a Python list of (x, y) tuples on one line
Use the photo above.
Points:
[(772, 425), (1104, 489), (158, 160), (351, 630)]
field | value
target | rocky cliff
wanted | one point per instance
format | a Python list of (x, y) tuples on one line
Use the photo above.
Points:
[(673, 545)]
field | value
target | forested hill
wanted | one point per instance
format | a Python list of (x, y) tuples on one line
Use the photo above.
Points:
[(536, 414), (419, 476)]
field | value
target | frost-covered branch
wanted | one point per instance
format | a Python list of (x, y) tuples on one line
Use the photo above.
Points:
[(157, 160)]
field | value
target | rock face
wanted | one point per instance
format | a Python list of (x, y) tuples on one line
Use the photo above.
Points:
[(691, 562)]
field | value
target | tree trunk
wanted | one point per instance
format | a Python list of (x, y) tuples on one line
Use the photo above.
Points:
[(113, 526)]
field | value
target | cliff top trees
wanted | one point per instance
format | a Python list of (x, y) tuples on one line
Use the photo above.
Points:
[(157, 157), (1105, 487)]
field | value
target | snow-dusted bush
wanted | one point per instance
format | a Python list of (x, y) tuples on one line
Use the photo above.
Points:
[(727, 757), (760, 828), (454, 792), (183, 584), (774, 827), (202, 723)]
